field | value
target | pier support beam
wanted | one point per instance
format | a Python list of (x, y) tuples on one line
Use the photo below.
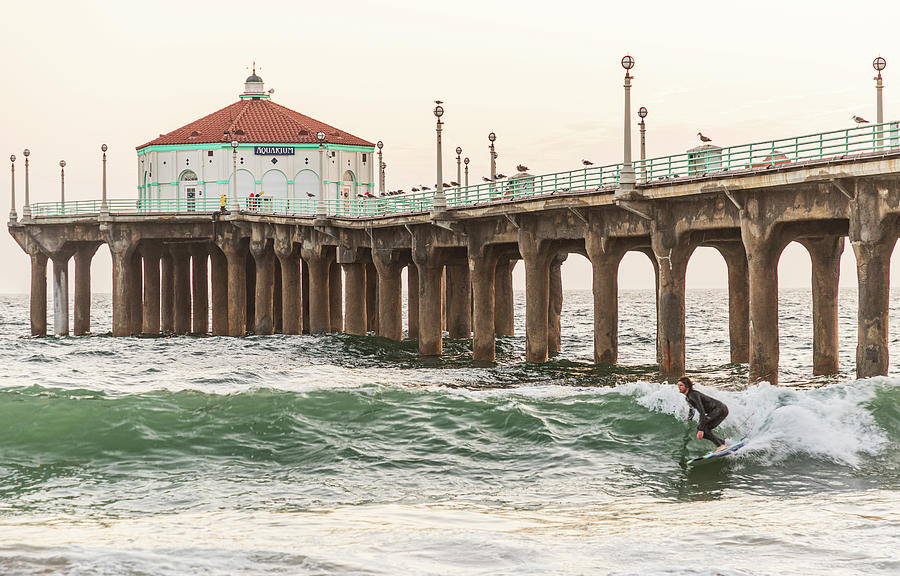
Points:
[(61, 294), (390, 295), (219, 289), (83, 257), (430, 262), (537, 259), (873, 236), (336, 297), (263, 256), (412, 300), (504, 299), (304, 297), (167, 292), (318, 259), (38, 293), (371, 298), (482, 268), (605, 255), (355, 291), (136, 292), (151, 254), (182, 266), (200, 289), (672, 252), (235, 249), (459, 300), (825, 255), (763, 251), (738, 300), (554, 328), (289, 262), (122, 249)]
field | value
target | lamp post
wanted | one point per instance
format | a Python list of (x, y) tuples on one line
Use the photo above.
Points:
[(440, 201), (321, 208), (104, 204), (642, 112), (381, 165), (62, 186), (492, 138), (458, 166), (26, 209), (12, 168), (626, 175), (879, 64), (234, 197), (466, 162)]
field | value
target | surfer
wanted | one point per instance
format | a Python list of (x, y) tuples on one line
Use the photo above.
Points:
[(710, 411)]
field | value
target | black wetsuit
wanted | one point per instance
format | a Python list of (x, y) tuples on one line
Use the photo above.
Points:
[(711, 413)]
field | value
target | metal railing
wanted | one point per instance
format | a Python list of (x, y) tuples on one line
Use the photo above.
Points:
[(703, 162)]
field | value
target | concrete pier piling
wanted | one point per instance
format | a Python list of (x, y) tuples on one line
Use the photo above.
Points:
[(294, 274)]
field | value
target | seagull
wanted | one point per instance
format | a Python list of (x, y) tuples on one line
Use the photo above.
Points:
[(415, 189), (486, 179), (360, 195), (704, 138), (859, 119), (452, 183), (522, 168), (425, 188), (587, 162), (501, 175), (311, 194)]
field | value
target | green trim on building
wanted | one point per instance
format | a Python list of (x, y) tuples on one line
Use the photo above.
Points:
[(245, 145)]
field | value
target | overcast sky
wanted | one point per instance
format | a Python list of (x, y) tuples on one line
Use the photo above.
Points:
[(545, 76)]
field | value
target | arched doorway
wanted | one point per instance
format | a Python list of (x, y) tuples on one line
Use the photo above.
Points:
[(188, 190), (348, 192), (245, 185)]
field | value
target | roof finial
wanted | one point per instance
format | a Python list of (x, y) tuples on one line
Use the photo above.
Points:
[(254, 66)]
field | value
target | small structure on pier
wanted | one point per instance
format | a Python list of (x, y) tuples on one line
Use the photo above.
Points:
[(278, 154)]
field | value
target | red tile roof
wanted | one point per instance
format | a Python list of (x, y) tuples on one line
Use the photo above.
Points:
[(261, 121)]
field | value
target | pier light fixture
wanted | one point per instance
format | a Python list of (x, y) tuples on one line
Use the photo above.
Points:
[(458, 166), (493, 138), (466, 162), (626, 174), (321, 207), (104, 204), (62, 184), (234, 176), (642, 112), (879, 64), (381, 167), (440, 201), (12, 168), (26, 209)]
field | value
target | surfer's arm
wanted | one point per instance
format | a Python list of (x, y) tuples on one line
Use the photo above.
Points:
[(697, 403), (690, 414)]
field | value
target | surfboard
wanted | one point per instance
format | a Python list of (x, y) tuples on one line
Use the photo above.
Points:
[(721, 454)]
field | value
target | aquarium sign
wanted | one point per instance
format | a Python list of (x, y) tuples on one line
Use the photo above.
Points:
[(273, 151)]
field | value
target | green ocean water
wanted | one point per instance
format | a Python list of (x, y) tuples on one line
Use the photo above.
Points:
[(349, 455)]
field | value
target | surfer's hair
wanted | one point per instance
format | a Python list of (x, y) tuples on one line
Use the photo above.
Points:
[(686, 381)]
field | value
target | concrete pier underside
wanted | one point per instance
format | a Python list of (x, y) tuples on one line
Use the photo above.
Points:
[(269, 273)]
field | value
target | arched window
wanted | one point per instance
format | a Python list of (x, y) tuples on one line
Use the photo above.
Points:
[(245, 185), (306, 185), (274, 184), (348, 185)]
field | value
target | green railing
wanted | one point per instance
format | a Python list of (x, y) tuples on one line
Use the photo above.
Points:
[(836, 145), (712, 161)]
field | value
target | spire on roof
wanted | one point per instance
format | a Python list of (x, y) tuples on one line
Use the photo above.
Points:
[(254, 87)]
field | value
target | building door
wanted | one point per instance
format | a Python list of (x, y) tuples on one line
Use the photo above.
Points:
[(191, 195)]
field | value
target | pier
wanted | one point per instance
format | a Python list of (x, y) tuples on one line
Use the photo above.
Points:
[(317, 266)]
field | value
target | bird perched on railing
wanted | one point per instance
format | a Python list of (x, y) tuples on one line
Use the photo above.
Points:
[(311, 194), (501, 176), (704, 138), (859, 119), (486, 179), (452, 183), (522, 168), (425, 188), (587, 162), (415, 189)]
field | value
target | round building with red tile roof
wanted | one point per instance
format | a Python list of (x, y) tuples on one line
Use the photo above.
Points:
[(281, 157)]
